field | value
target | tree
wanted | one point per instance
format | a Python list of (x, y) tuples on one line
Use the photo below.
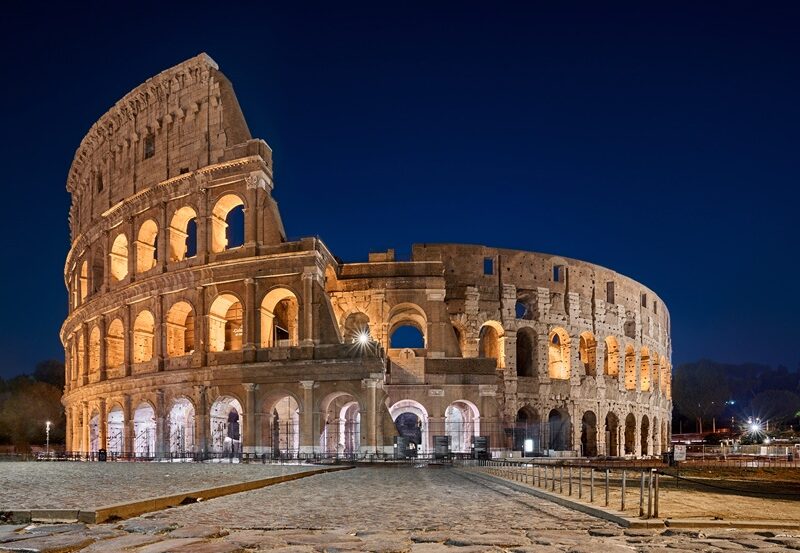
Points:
[(779, 406), (25, 410), (700, 393), (51, 372)]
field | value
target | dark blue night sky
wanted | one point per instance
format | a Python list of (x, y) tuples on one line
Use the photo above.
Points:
[(660, 140)]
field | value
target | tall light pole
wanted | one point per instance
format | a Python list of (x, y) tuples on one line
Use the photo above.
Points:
[(47, 450)]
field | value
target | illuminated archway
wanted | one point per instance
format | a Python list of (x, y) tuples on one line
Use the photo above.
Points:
[(144, 431), (181, 428), (183, 234), (461, 424), (119, 257), (587, 349), (94, 350), (225, 324), (221, 233), (115, 430), (490, 344), (143, 337), (115, 344), (558, 354), (146, 253), (180, 329), (611, 357), (226, 417), (630, 368), (645, 373), (285, 427), (279, 319), (411, 421)]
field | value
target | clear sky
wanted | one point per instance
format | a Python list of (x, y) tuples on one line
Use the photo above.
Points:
[(658, 139)]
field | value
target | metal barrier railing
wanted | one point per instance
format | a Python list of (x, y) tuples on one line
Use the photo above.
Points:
[(579, 478)]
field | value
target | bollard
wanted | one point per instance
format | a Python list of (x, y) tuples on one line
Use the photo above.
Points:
[(655, 508), (606, 487), (561, 479), (591, 485), (650, 495), (570, 480), (553, 479), (580, 482), (622, 506), (641, 496)]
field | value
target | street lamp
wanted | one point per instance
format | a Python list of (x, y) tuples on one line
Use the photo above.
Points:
[(47, 431)]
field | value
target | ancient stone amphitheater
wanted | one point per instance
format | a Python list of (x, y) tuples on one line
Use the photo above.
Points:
[(196, 328)]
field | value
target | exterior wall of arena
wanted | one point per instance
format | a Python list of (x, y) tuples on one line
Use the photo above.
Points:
[(179, 332)]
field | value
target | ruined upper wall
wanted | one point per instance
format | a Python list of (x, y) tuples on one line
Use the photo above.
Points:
[(182, 119)]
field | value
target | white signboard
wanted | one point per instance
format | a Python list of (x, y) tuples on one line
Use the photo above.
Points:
[(680, 453)]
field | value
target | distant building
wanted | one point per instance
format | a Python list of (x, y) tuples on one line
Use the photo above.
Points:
[(189, 309)]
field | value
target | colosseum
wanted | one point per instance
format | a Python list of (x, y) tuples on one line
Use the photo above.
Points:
[(196, 328)]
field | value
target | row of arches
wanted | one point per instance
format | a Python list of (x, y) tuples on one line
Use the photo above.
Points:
[(279, 327), (226, 231)]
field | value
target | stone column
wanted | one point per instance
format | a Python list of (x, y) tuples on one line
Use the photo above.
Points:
[(162, 239), (249, 434), (104, 286), (101, 324), (85, 361), (201, 325), (307, 438), (308, 319), (372, 416), (160, 329), (251, 213), (637, 436), (127, 428), (249, 338), (133, 247), (102, 431), (128, 341), (85, 429), (162, 433), (203, 221), (202, 420)]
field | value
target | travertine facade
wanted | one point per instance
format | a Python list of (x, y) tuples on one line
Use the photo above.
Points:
[(176, 330)]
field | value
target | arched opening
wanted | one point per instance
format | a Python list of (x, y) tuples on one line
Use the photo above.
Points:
[(180, 329), (612, 435), (461, 337), (411, 422), (645, 432), (406, 336), (181, 428), (81, 355), (227, 223), (119, 257), (662, 381), (84, 281), (655, 373), (143, 335), (183, 234), (94, 432), (526, 352), (656, 437), (645, 363), (115, 344), (285, 429), (94, 350), (589, 434), (98, 268), (558, 427), (630, 368), (144, 431), (341, 425), (527, 432), (558, 355), (490, 345), (461, 424), (356, 324), (146, 253), (630, 434), (279, 319), (665, 441), (226, 433), (587, 349), (611, 357), (115, 430), (225, 324)]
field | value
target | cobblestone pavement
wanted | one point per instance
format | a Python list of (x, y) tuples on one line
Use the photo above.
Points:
[(380, 510), (74, 485)]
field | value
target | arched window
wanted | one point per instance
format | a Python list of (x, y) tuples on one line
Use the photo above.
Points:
[(630, 368), (94, 350), (645, 363), (227, 223), (180, 329), (414, 325), (662, 381), (183, 234), (355, 325), (119, 257), (588, 352), (81, 356), (225, 324), (84, 281), (489, 344), (143, 334), (406, 336), (98, 269), (115, 344), (611, 357), (558, 354), (279, 319), (526, 352), (146, 253)]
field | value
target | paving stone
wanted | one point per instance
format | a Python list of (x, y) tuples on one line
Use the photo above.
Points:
[(198, 531), (168, 545), (500, 540), (51, 543), (120, 543), (216, 546), (605, 532), (396, 545), (250, 539), (430, 537), (789, 543), (148, 526)]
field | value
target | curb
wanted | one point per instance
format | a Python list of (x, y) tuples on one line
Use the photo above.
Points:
[(135, 508), (632, 522)]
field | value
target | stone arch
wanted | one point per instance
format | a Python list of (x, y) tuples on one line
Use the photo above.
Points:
[(115, 344), (462, 421), (181, 427), (662, 381), (284, 427), (94, 350), (279, 318), (558, 426), (645, 369), (146, 251), (341, 423), (630, 368), (80, 356), (490, 343), (612, 434), (461, 337), (226, 417), (94, 431), (143, 336), (180, 329), (587, 350), (408, 315), (645, 433), (119, 257), (589, 434), (527, 426), (630, 434), (411, 421), (115, 432), (558, 354), (655, 373), (83, 281), (183, 234), (225, 323), (98, 267), (220, 216), (611, 357), (355, 324), (144, 430), (526, 352)]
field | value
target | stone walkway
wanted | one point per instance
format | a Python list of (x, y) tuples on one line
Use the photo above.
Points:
[(73, 485), (381, 510)]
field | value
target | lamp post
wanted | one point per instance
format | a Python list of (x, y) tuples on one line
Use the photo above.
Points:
[(47, 432)]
